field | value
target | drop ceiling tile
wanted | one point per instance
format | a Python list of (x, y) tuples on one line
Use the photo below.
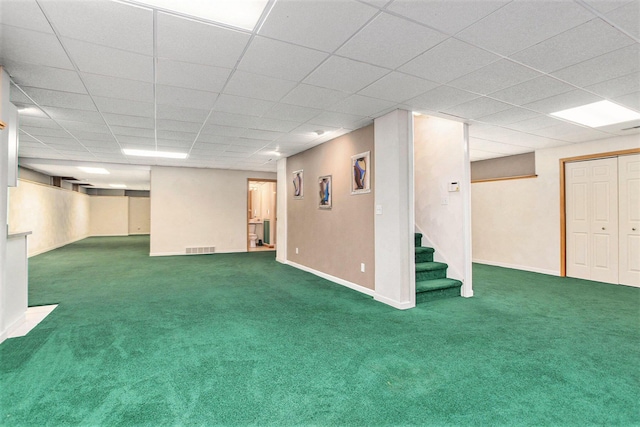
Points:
[(293, 113), (241, 105), (105, 150), (627, 17), (96, 59), (132, 131), (215, 46), (280, 60), (398, 87), (534, 123), (617, 87), (175, 125), (477, 155), (604, 67), (43, 77), (509, 116), (275, 125), (447, 16), (263, 135), (39, 122), (53, 98), (40, 131), (74, 115), (336, 120), (125, 107), (98, 137), (631, 100), (313, 96), (532, 90), (258, 86), (182, 97), (477, 108), (449, 60), (182, 114), (24, 14), (389, 41), (230, 119), (176, 135), (106, 23), (345, 74), (20, 99), (584, 42), (31, 47), (606, 5), (170, 144), (220, 131), (127, 141), (191, 76), (320, 25), (440, 98), (495, 76), (571, 133), (523, 23), (496, 147), (114, 87), (84, 126), (129, 121), (563, 101), (361, 105)]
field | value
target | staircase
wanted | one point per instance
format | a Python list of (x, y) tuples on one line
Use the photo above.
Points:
[(431, 277)]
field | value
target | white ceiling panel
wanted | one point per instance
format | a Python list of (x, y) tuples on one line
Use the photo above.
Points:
[(281, 60), (191, 76), (258, 86), (604, 67), (39, 122), (175, 125), (129, 121), (40, 131), (398, 87), (114, 87), (447, 16), (96, 59), (631, 100), (389, 41), (58, 113), (449, 60), (532, 90), (477, 108), (45, 77), (230, 119), (440, 98), (617, 87), (226, 131), (495, 76), (345, 74), (627, 18), (84, 126), (571, 133), (183, 97), (313, 96), (125, 106), (512, 115), (362, 105), (182, 114), (176, 135), (584, 42), (335, 120), (292, 113), (264, 135), (103, 22), (132, 131), (539, 122), (24, 14), (563, 101), (323, 25), (96, 137), (240, 105), (275, 125), (31, 47), (54, 98), (186, 40), (606, 5), (496, 147), (523, 23)]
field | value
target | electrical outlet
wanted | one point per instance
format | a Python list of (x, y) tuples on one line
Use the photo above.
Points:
[(296, 251), (362, 267)]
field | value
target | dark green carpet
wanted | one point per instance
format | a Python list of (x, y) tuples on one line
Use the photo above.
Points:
[(237, 339)]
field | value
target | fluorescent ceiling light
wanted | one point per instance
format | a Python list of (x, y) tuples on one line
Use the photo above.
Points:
[(602, 113), (151, 153), (117, 185), (98, 171), (237, 13)]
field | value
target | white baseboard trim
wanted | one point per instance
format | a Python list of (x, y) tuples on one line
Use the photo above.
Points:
[(333, 279), (518, 267), (281, 260), (41, 251), (139, 234), (393, 303), (230, 251), (167, 253), (12, 327), (109, 235)]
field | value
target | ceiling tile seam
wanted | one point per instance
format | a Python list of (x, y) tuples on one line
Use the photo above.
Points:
[(606, 19), (43, 143), (495, 142), (49, 116), (263, 17), (77, 70)]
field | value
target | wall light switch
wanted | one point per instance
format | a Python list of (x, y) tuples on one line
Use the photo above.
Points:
[(378, 209), (296, 251), (453, 187), (362, 267)]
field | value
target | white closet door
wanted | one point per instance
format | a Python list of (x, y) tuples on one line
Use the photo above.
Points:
[(592, 219), (629, 184)]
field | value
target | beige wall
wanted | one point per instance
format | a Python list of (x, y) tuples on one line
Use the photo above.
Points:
[(199, 207), (109, 215), (55, 216), (438, 160), (517, 223), (139, 215), (336, 241)]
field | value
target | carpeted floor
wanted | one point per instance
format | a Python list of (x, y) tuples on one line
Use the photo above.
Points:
[(239, 339)]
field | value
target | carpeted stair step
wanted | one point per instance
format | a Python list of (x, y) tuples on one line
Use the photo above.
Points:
[(430, 290), (424, 254), (430, 271), (417, 239)]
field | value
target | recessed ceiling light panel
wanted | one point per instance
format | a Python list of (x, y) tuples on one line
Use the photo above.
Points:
[(97, 171), (151, 153), (602, 113)]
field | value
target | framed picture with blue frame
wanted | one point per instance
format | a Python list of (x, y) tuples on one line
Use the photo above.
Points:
[(325, 191), (361, 173)]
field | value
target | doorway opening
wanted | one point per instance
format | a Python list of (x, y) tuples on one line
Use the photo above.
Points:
[(261, 215)]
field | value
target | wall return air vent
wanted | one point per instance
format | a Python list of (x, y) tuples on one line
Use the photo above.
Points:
[(201, 250)]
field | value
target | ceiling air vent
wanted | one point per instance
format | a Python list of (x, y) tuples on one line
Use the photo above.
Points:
[(201, 250)]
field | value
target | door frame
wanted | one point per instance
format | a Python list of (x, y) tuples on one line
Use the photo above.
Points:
[(249, 180), (563, 216)]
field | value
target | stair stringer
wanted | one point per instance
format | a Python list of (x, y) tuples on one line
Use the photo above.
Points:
[(439, 256)]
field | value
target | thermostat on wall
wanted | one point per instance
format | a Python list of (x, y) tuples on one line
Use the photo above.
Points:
[(454, 186)]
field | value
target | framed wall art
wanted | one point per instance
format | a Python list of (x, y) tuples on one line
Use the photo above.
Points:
[(298, 184), (325, 190), (361, 173)]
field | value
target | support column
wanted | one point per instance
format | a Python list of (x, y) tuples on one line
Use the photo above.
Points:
[(281, 190)]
